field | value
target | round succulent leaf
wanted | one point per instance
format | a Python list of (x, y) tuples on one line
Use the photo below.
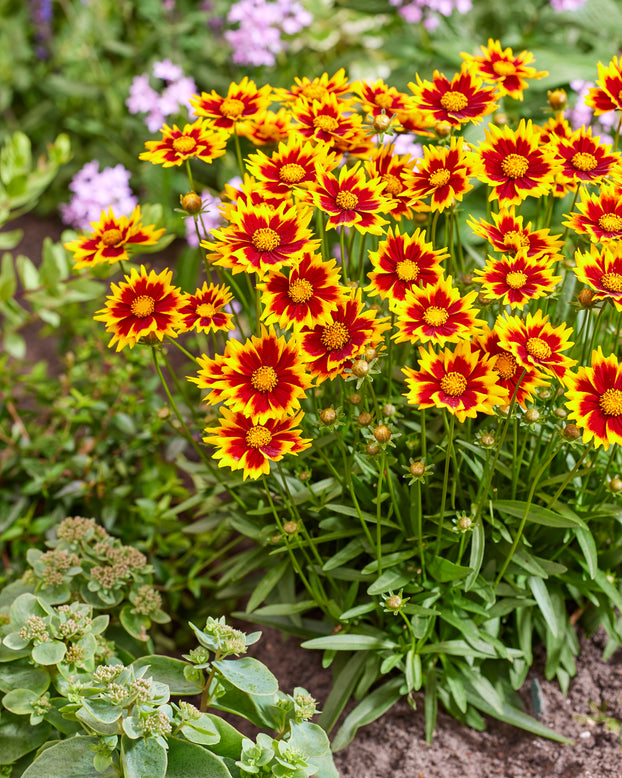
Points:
[(188, 760), (25, 606), (23, 676), (20, 701), (143, 757), (200, 736), (17, 737), (49, 653), (135, 623), (169, 671), (248, 674), (71, 758)]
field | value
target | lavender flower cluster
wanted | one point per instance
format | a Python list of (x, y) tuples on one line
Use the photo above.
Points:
[(174, 96), (95, 191), (581, 115), (257, 39), (427, 11)]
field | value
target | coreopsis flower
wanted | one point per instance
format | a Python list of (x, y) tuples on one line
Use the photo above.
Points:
[(461, 100), (268, 127), (211, 375), (462, 381), (437, 314), (515, 280), (503, 68), (414, 120), (595, 399), (394, 170), (263, 378), (293, 164), (607, 94), (351, 200), (326, 121), (402, 263), (534, 341), (260, 238), (304, 297), (249, 192), (143, 304), (331, 347), (520, 382), (555, 129), (111, 239), (514, 165), (242, 443), (584, 159), (509, 236), (204, 311), (242, 101), (198, 140), (601, 270), (442, 175), (315, 89), (600, 214), (378, 98)]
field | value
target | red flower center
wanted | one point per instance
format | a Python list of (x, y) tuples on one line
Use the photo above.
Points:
[(393, 184), (184, 144), (435, 316), (515, 279), (142, 306), (454, 101), (538, 348), (505, 365), (206, 310), (503, 68), (346, 200), (515, 165), (610, 222), (266, 239), (264, 378), (259, 436), (584, 161), (611, 402), (231, 108), (326, 123), (612, 282), (440, 177), (300, 290), (453, 384), (291, 173), (112, 237), (335, 336), (407, 270)]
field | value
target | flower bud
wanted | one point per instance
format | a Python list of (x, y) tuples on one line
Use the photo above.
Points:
[(388, 409), (571, 432), (420, 218), (382, 433), (500, 119), (544, 394), (290, 527), (364, 418), (487, 440), (360, 368), (191, 203), (442, 129), (381, 122), (304, 475), (417, 469), (393, 602), (464, 522), (616, 484), (557, 98), (585, 297), (328, 416), (370, 353), (355, 399), (372, 449), (532, 415), (561, 413)]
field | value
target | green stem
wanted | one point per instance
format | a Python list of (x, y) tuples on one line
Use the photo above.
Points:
[(441, 516)]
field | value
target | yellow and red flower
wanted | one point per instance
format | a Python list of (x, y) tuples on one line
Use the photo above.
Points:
[(263, 378), (555, 129), (203, 310), (463, 99), (436, 314), (331, 347), (394, 171), (198, 140), (515, 280), (260, 238), (534, 341), (584, 159), (326, 120), (144, 304), (508, 235), (242, 443), (460, 380), (600, 214), (515, 165), (443, 175), (293, 164), (595, 399), (315, 89), (269, 127), (378, 98), (503, 68), (402, 263), (305, 297), (351, 200), (607, 94), (601, 270), (242, 101), (111, 238)]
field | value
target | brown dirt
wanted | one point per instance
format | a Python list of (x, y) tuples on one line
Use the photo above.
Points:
[(394, 746)]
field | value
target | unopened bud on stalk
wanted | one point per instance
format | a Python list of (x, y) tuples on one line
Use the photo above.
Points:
[(561, 413), (191, 203), (364, 418), (544, 394), (442, 129), (388, 409), (557, 98), (382, 433), (328, 416), (393, 602), (487, 440), (571, 432), (420, 218), (381, 122), (370, 353), (290, 527), (372, 449), (586, 297), (355, 399), (615, 484), (304, 475), (417, 469), (464, 522), (500, 119), (532, 415), (360, 368)]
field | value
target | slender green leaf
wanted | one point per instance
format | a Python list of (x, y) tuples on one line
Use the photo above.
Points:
[(543, 598), (368, 710), (349, 642), (536, 514)]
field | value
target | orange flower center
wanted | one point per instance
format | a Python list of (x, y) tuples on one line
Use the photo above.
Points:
[(142, 306), (346, 200), (515, 165), (335, 336), (184, 144), (584, 161), (505, 365), (264, 378), (407, 270), (393, 184), (326, 123), (112, 237), (503, 68), (612, 282), (231, 108), (515, 279), (538, 348), (610, 222), (291, 173), (265, 239), (611, 402), (435, 316), (314, 92), (454, 101), (257, 437), (453, 384), (383, 100), (300, 290), (206, 310), (515, 239), (440, 177)]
